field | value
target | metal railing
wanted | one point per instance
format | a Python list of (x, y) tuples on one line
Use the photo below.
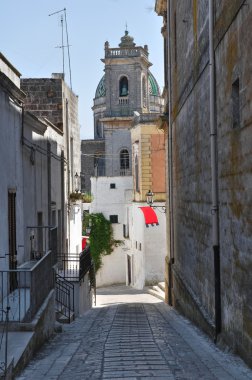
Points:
[(24, 290), (73, 266), (125, 172), (64, 297), (137, 51), (4, 342)]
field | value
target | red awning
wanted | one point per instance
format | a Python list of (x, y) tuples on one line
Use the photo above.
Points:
[(149, 216), (84, 243)]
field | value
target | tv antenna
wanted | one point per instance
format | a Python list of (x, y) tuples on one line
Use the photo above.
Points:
[(62, 42)]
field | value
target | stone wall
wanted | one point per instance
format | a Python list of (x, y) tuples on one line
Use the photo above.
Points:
[(44, 98), (117, 138), (233, 61), (193, 269), (149, 149), (89, 150)]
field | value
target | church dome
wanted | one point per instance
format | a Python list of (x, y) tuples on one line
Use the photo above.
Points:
[(152, 84), (101, 90)]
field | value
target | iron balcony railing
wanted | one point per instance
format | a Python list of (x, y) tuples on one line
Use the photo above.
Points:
[(24, 290), (73, 266)]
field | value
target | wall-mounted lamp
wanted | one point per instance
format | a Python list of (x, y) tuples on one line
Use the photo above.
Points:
[(77, 182), (150, 200)]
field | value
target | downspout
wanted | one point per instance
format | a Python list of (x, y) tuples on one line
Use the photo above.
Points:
[(22, 124), (49, 194), (170, 179), (62, 172), (68, 173), (214, 174)]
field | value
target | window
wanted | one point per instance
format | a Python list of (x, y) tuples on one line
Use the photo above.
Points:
[(12, 237), (175, 38), (236, 103), (112, 186), (123, 87), (99, 130), (40, 237), (136, 174), (125, 231), (124, 159), (113, 218)]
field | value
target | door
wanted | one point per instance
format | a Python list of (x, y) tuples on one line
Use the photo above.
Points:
[(129, 269), (12, 239)]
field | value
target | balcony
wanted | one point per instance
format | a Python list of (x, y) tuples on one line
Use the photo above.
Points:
[(126, 52), (21, 289)]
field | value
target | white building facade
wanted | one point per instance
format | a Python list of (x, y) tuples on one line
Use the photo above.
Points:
[(110, 195), (146, 248)]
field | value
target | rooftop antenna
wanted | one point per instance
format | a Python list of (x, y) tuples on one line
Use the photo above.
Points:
[(62, 42)]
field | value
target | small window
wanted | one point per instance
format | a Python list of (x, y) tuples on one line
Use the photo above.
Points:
[(140, 247), (125, 231), (236, 103), (112, 186), (113, 218)]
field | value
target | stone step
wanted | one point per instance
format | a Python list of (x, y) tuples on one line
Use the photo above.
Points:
[(162, 286), (156, 291), (64, 319)]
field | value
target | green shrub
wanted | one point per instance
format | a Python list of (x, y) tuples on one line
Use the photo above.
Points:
[(101, 237)]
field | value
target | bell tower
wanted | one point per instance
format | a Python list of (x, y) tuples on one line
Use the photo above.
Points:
[(126, 78), (126, 87)]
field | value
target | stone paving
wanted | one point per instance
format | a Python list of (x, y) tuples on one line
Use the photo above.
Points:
[(132, 335)]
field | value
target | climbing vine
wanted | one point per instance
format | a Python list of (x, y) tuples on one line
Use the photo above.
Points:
[(101, 237)]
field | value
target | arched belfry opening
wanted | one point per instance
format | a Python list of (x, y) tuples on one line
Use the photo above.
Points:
[(123, 86)]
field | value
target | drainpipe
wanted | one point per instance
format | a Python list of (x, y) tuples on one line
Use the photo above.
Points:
[(49, 192), (22, 124), (170, 179), (62, 172), (214, 174), (68, 173)]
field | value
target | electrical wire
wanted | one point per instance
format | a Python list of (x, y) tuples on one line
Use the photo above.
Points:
[(41, 150)]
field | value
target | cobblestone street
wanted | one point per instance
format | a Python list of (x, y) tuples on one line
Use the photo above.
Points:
[(132, 335)]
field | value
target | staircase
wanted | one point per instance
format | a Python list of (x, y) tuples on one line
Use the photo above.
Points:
[(157, 290), (64, 300)]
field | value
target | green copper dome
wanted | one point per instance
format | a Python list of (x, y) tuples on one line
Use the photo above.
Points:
[(101, 90), (153, 87)]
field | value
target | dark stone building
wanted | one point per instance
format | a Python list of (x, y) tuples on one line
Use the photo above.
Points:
[(210, 260)]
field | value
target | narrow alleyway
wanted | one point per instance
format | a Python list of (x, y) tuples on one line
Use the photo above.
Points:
[(132, 335)]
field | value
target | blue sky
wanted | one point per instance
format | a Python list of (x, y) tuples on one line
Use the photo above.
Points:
[(28, 39)]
